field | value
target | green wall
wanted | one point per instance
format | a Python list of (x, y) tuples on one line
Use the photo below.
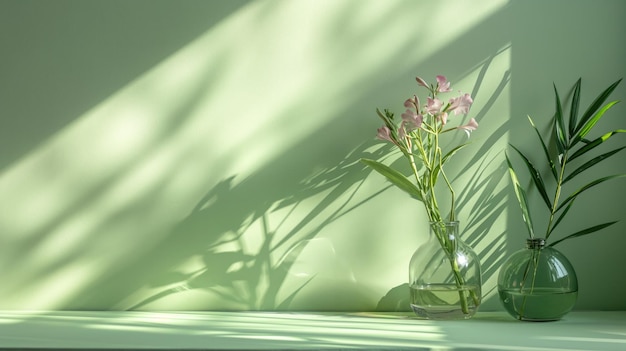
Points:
[(203, 155)]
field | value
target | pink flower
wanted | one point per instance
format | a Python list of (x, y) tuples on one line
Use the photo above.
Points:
[(384, 134), (413, 102), (461, 104), (421, 82), (469, 127), (411, 120), (443, 117), (443, 85), (433, 106)]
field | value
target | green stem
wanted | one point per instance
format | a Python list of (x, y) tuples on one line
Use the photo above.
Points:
[(452, 194), (557, 195), (460, 284), (426, 187), (449, 248), (535, 262), (417, 179)]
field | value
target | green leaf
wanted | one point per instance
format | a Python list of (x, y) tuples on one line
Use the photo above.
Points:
[(545, 150), (520, 194), (595, 143), (395, 177), (592, 122), (573, 113), (559, 125), (452, 152), (561, 216), (537, 179), (596, 105), (591, 163), (590, 185), (586, 231), (434, 174)]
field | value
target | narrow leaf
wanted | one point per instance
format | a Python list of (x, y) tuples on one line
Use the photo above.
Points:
[(560, 218), (592, 144), (395, 177), (592, 122), (591, 163), (558, 140), (573, 113), (588, 186), (596, 105), (452, 152), (537, 179), (545, 150), (586, 231), (520, 194), (559, 125)]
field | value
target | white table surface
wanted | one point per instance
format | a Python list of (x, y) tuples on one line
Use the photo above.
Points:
[(313, 331)]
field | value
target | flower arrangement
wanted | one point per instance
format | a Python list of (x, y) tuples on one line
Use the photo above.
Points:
[(571, 143), (417, 135)]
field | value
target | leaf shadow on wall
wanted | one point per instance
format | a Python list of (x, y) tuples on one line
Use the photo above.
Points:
[(249, 281), (226, 212), (322, 169)]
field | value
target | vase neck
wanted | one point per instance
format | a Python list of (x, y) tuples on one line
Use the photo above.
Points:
[(448, 229), (535, 243)]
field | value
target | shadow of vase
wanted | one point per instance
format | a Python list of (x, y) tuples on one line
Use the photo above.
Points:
[(396, 300)]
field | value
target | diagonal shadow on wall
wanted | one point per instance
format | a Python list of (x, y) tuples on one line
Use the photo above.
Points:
[(227, 210), (321, 170), (62, 58)]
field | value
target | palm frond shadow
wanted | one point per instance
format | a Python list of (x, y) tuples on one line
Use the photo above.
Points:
[(253, 281), (230, 209)]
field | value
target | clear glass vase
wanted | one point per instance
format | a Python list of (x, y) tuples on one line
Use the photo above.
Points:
[(444, 276), (537, 283)]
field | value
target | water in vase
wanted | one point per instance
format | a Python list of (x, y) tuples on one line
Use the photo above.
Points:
[(443, 301)]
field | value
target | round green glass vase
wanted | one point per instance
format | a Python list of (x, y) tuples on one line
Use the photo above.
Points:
[(537, 283), (444, 276)]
